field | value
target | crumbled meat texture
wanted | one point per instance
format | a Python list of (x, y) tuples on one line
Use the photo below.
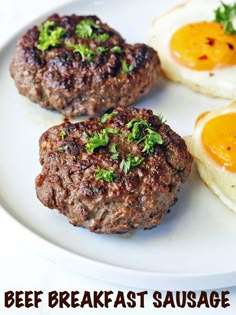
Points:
[(59, 79), (138, 199)]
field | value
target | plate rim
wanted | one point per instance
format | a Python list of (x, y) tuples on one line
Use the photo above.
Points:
[(121, 275)]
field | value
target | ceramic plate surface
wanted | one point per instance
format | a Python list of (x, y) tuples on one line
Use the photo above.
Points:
[(194, 247)]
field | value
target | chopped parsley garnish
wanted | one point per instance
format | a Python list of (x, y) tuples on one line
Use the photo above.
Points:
[(161, 117), (107, 175), (63, 149), (114, 131), (101, 50), (97, 140), (135, 126), (117, 49), (63, 134), (84, 28), (225, 15), (130, 162), (49, 37), (132, 122), (106, 116), (102, 37), (151, 139), (83, 50), (126, 67), (115, 154)]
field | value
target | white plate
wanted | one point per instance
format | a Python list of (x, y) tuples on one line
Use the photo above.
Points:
[(194, 247)]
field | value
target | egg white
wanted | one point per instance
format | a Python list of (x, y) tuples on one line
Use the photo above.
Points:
[(220, 180), (218, 83)]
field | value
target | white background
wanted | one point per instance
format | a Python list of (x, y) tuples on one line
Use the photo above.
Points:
[(24, 269)]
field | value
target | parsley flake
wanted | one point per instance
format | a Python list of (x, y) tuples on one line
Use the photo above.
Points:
[(49, 37), (150, 140), (162, 119), (148, 136), (106, 116), (102, 37), (84, 28), (117, 49), (135, 121), (97, 140), (130, 162), (126, 67), (114, 131), (101, 50), (107, 175), (83, 50), (63, 149), (225, 15), (115, 154), (63, 134), (135, 126)]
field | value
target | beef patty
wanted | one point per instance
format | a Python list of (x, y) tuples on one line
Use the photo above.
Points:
[(79, 65), (112, 174)]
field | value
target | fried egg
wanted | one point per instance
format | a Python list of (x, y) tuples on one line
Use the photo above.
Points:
[(194, 50), (213, 146)]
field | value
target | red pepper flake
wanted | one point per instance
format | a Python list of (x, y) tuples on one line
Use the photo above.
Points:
[(228, 148), (231, 47), (210, 41), (203, 57)]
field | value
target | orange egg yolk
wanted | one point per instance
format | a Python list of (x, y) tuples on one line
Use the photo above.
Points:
[(219, 140), (203, 46)]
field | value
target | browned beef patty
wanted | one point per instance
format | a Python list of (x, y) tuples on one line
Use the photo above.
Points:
[(87, 70), (113, 174)]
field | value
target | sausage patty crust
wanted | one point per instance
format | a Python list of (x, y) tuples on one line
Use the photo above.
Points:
[(79, 65), (115, 173)]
